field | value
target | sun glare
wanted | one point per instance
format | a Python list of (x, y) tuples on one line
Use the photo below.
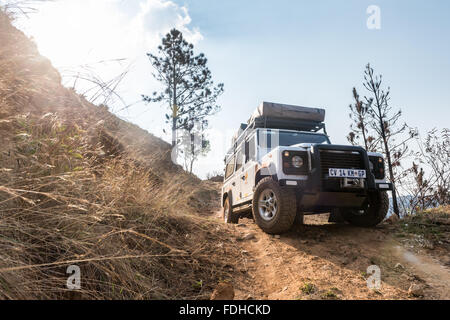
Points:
[(74, 33)]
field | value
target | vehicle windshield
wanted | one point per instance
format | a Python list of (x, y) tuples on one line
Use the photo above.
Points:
[(273, 138)]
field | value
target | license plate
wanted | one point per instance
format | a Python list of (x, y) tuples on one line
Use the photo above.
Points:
[(346, 173)]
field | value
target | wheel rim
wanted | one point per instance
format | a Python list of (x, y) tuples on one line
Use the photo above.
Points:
[(268, 205)]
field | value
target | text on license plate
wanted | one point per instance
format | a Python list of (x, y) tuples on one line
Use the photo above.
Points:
[(346, 173)]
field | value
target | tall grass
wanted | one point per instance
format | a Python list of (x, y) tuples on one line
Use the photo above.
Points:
[(79, 186)]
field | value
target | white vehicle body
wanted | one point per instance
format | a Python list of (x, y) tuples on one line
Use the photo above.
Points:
[(323, 176), (243, 179)]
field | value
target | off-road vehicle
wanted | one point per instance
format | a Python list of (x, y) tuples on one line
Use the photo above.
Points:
[(281, 167)]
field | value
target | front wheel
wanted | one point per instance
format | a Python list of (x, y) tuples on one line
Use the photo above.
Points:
[(274, 208), (374, 214)]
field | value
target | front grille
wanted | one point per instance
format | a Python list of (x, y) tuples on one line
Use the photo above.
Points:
[(340, 160)]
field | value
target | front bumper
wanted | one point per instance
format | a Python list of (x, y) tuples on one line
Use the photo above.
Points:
[(320, 192), (330, 186)]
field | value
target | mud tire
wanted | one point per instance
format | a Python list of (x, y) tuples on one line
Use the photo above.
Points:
[(284, 218), (373, 215)]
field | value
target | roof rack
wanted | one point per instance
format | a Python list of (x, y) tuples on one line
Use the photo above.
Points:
[(288, 124)]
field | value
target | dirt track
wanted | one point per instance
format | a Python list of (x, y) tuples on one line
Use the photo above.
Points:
[(320, 260)]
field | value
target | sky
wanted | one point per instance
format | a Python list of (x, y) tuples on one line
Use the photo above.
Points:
[(309, 53)]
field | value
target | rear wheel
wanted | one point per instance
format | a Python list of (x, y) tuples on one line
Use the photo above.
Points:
[(228, 215), (371, 216), (274, 208)]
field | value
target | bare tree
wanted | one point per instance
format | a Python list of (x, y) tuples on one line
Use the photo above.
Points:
[(384, 121), (359, 114), (415, 188), (434, 153), (194, 143)]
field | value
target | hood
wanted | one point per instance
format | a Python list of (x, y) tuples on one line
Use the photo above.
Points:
[(303, 145)]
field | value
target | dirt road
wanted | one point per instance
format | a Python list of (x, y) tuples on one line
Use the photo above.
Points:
[(319, 260)]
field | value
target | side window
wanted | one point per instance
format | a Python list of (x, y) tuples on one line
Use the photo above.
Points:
[(230, 168), (250, 152), (239, 159)]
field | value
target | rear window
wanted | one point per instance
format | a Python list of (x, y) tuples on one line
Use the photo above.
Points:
[(230, 168)]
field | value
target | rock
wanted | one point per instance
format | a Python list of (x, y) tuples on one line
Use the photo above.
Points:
[(241, 225), (399, 266), (428, 245), (249, 297), (304, 241), (416, 290), (285, 288), (277, 236), (344, 260), (249, 236), (223, 291), (246, 237), (407, 277)]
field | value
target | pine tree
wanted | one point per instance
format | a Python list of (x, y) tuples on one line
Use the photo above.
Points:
[(188, 88)]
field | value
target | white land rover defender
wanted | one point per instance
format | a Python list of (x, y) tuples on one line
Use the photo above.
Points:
[(280, 168)]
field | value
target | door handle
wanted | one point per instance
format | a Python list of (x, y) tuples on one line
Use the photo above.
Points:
[(233, 184)]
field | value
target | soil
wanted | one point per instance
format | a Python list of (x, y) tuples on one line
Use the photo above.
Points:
[(321, 260)]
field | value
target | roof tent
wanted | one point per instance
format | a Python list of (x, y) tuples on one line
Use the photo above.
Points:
[(284, 116)]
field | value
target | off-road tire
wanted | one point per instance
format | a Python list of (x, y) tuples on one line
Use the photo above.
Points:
[(299, 218), (287, 209), (373, 215), (230, 216), (336, 216)]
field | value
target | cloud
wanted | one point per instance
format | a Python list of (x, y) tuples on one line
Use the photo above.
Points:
[(76, 33), (157, 17)]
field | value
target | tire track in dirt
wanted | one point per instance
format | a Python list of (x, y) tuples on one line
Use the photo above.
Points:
[(320, 260)]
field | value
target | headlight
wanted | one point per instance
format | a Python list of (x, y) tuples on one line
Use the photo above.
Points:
[(297, 161), (377, 167)]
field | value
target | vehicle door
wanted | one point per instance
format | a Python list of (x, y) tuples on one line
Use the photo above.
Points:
[(237, 179), (249, 168), (229, 175)]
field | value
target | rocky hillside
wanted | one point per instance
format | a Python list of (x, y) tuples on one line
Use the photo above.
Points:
[(79, 186)]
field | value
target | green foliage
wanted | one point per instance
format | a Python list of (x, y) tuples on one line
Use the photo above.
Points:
[(308, 288), (188, 88)]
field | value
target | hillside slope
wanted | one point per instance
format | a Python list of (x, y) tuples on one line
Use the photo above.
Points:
[(79, 186)]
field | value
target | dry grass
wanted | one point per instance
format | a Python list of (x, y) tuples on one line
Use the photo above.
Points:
[(432, 224), (80, 186)]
